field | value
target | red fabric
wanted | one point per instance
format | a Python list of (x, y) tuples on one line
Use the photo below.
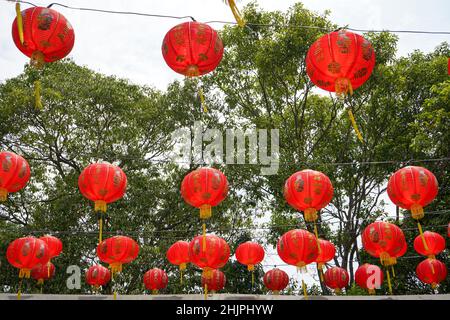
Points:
[(368, 276), (102, 181), (216, 282), (383, 237), (98, 276), (276, 279), (308, 189), (431, 271), (412, 185), (118, 250), (54, 245), (192, 49), (26, 253), (249, 253), (178, 253), (215, 256), (340, 55), (336, 278), (435, 243), (327, 251), (204, 186), (298, 247), (14, 172), (155, 279), (44, 30), (40, 271)]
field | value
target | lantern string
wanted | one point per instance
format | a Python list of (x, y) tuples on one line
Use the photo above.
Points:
[(202, 100), (236, 13), (37, 94), (19, 22), (389, 281)]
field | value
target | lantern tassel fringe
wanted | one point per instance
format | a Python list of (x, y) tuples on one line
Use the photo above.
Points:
[(389, 282), (202, 100), (3, 194), (19, 22), (37, 94)]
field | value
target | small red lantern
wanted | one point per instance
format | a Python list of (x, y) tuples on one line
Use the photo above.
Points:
[(14, 174), (249, 254), (26, 253), (98, 276), (298, 247), (369, 276), (434, 241), (116, 251), (276, 280), (214, 256), (42, 272), (215, 282), (327, 253), (192, 49), (102, 183), (340, 61), (178, 254), (155, 279), (431, 271), (336, 278), (54, 247)]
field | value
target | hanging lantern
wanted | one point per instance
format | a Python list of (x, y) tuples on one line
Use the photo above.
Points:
[(214, 283), (204, 188), (14, 174), (369, 277), (276, 280), (178, 254), (336, 278), (54, 248), (192, 49), (97, 276), (308, 191), (42, 272), (249, 254), (102, 183), (431, 271), (117, 251), (155, 279), (26, 253), (435, 244), (327, 252), (44, 35)]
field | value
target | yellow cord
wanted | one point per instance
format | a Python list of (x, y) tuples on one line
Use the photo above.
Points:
[(202, 100), (389, 282), (237, 15), (100, 232), (19, 22), (355, 126), (421, 235), (204, 236), (305, 293), (317, 238), (37, 95)]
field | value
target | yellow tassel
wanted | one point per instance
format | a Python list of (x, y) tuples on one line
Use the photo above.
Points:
[(204, 236), (393, 271), (202, 100), (205, 211), (206, 291), (417, 211), (236, 13), (100, 205), (19, 292), (3, 194), (154, 292), (389, 282), (276, 292), (100, 232), (337, 291), (310, 214), (371, 291), (421, 235), (115, 295), (317, 238), (305, 293), (253, 278), (355, 126), (19, 22), (37, 95)]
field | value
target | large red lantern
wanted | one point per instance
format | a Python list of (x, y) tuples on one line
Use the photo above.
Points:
[(42, 272), (369, 277), (435, 244), (178, 254), (298, 248), (102, 183), (340, 61), (327, 252), (155, 279), (276, 280), (192, 49), (98, 276), (213, 256), (431, 271), (26, 253), (336, 278), (117, 251), (215, 282), (14, 173)]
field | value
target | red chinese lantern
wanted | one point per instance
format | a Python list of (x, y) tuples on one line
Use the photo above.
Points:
[(215, 282), (117, 251), (42, 272), (192, 49), (102, 183), (276, 280), (44, 35), (340, 61), (14, 174), (298, 248), (431, 271), (214, 256), (54, 248), (369, 277), (97, 276), (26, 253), (178, 254), (327, 252), (155, 279), (308, 191), (204, 188), (336, 278), (435, 244), (249, 254)]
